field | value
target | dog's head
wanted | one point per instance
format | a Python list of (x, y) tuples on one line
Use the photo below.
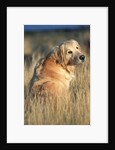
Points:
[(68, 53)]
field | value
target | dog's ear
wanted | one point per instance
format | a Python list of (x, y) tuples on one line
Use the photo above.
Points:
[(53, 55), (57, 55), (61, 55)]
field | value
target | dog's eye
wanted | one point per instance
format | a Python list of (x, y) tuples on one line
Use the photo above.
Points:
[(70, 52), (77, 47)]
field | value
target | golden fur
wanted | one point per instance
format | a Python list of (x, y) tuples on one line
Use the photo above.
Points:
[(54, 73)]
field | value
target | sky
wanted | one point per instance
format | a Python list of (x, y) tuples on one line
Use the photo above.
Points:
[(30, 28)]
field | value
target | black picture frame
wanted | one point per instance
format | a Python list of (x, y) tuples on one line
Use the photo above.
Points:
[(3, 28)]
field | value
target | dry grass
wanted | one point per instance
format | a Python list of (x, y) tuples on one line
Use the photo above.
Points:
[(71, 109)]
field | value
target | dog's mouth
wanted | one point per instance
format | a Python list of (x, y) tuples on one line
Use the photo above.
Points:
[(79, 59)]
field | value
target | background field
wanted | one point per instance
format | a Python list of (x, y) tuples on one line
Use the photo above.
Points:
[(73, 109)]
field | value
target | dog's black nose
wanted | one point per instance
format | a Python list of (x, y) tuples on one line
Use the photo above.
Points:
[(82, 57)]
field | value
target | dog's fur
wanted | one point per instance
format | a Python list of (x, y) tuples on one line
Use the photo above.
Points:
[(54, 73)]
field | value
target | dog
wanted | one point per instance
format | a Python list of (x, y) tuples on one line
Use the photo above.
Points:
[(53, 73)]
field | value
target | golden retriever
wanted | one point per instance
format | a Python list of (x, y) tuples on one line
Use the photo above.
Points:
[(54, 73)]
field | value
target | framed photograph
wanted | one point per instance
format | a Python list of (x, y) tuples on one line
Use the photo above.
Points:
[(57, 74)]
